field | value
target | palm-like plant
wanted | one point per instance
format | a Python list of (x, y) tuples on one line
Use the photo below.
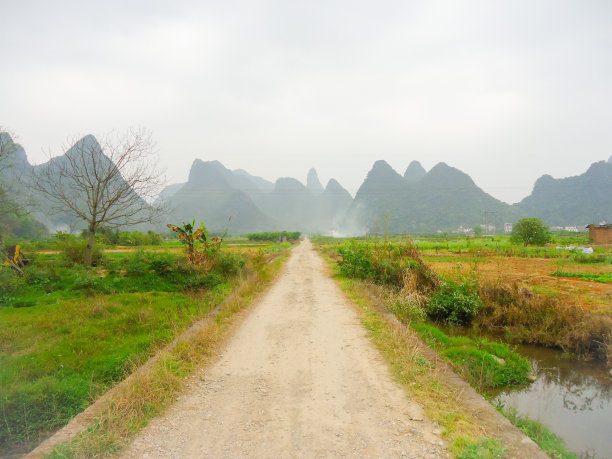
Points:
[(189, 235)]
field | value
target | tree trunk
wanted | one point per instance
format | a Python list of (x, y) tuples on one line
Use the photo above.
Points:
[(90, 245)]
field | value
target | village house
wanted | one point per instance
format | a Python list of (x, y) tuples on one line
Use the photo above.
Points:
[(600, 233)]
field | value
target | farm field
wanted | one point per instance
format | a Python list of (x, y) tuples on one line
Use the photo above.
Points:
[(535, 274), (69, 333), (465, 296)]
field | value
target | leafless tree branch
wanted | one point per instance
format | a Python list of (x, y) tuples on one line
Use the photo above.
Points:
[(111, 182)]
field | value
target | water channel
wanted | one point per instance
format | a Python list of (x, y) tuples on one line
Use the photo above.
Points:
[(571, 397)]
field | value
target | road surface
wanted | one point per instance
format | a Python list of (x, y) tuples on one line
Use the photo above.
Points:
[(299, 378)]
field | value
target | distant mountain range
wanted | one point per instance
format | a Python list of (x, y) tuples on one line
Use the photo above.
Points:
[(214, 193), (418, 201), (442, 199)]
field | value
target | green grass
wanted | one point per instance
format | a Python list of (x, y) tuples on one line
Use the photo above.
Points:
[(554, 446), (485, 364), (50, 279), (487, 448), (594, 277), (467, 248), (68, 333), (152, 389), (56, 357)]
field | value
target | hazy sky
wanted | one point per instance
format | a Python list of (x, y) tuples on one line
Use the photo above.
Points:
[(505, 91)]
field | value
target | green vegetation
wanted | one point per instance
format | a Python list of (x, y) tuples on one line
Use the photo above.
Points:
[(69, 332), (595, 277), (56, 357), (485, 364), (109, 237), (455, 302), (274, 236), (524, 315), (530, 231), (553, 446), (486, 448), (150, 390), (48, 280), (386, 263)]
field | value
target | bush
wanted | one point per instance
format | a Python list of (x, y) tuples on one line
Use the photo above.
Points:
[(136, 265), (386, 263), (10, 284), (228, 264), (73, 250), (536, 319), (162, 264), (456, 303)]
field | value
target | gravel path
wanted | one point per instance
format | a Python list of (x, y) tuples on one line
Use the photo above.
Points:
[(298, 379)]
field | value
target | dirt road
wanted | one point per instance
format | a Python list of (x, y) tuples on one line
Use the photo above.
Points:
[(298, 379)]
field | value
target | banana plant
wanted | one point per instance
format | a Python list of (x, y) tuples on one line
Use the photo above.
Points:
[(189, 235)]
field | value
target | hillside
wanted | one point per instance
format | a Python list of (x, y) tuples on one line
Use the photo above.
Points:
[(54, 214), (578, 200), (213, 194), (441, 199)]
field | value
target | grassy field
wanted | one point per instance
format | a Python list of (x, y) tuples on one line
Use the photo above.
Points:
[(492, 285), (522, 294), (69, 333)]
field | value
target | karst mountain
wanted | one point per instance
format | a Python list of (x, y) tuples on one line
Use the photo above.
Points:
[(419, 201)]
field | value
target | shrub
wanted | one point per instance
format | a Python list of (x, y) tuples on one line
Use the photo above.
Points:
[(407, 308), (136, 265), (386, 263), (73, 252), (456, 303), (228, 264), (536, 319), (162, 264), (10, 284)]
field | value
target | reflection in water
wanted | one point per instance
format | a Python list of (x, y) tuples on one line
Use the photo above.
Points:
[(572, 398)]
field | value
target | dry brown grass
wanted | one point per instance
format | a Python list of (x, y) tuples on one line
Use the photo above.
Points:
[(532, 318), (535, 273)]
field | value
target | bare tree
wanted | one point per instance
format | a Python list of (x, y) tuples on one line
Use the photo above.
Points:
[(111, 182)]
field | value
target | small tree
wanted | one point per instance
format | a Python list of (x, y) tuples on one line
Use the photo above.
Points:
[(478, 230), (105, 184), (189, 235), (530, 231)]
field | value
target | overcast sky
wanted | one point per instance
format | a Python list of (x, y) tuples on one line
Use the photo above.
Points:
[(505, 91)]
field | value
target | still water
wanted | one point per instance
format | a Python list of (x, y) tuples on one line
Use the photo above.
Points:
[(572, 398)]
